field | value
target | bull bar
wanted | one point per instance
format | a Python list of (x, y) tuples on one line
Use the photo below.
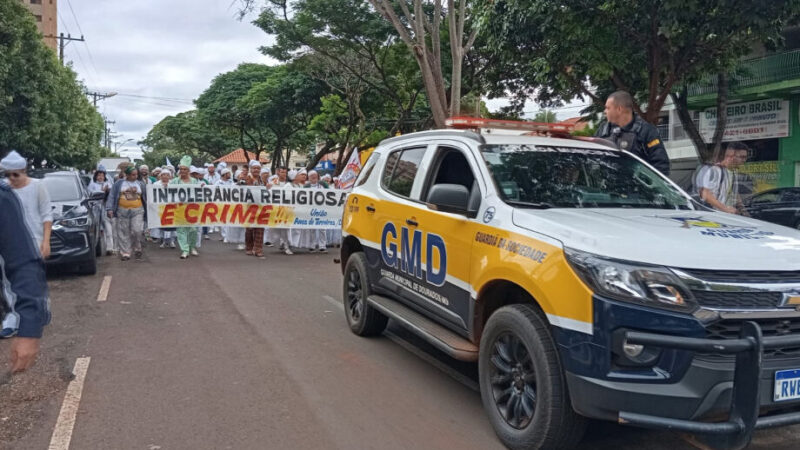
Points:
[(743, 418)]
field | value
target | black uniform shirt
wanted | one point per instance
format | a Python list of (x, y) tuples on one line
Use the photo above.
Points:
[(640, 138)]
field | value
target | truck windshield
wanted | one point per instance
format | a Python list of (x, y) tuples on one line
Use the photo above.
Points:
[(569, 177)]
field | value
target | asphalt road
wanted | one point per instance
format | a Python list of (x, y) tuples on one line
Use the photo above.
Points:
[(226, 351)]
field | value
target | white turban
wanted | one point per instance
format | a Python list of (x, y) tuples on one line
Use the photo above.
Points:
[(292, 173), (238, 172), (302, 171), (254, 162), (327, 176), (313, 172), (222, 165), (193, 169), (272, 178), (144, 166), (13, 161), (224, 171)]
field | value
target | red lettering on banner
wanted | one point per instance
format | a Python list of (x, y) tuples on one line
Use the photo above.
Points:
[(237, 216), (189, 208), (250, 215), (223, 217), (209, 213), (168, 216), (263, 218)]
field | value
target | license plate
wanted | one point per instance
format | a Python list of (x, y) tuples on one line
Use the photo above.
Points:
[(787, 385)]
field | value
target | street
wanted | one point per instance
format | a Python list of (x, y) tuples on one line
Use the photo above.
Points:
[(224, 351)]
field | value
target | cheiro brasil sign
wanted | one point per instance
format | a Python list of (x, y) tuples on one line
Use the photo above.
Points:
[(763, 119)]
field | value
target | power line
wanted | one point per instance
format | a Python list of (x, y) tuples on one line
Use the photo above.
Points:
[(166, 99), (88, 51)]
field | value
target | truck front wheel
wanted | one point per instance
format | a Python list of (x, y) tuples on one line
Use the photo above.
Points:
[(364, 320), (522, 383)]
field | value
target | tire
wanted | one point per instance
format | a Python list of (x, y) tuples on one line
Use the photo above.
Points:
[(523, 388), (363, 319), (90, 266)]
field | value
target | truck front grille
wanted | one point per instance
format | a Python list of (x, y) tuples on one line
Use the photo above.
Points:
[(729, 329)]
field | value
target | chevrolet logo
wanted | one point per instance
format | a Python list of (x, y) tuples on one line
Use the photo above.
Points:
[(792, 299)]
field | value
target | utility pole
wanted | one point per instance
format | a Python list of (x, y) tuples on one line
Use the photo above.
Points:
[(62, 42), (100, 96), (108, 132)]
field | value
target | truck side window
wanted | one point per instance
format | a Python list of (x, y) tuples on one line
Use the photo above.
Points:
[(401, 170), (451, 167)]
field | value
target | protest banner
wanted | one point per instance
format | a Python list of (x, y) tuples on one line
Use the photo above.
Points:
[(186, 205)]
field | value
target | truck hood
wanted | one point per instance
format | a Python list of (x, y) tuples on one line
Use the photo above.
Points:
[(687, 239)]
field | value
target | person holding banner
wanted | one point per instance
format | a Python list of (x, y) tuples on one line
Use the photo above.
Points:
[(316, 238), (236, 234), (187, 236), (254, 236), (167, 234), (224, 180), (280, 236)]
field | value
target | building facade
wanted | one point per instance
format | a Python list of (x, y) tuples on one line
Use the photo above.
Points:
[(46, 14), (763, 112)]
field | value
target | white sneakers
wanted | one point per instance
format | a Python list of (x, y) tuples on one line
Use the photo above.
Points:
[(194, 252)]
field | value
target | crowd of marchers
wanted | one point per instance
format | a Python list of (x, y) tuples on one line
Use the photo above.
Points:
[(126, 205)]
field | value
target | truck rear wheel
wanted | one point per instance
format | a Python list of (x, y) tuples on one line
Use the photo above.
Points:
[(522, 382), (363, 319)]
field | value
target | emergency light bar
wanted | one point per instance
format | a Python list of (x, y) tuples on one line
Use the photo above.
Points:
[(468, 123)]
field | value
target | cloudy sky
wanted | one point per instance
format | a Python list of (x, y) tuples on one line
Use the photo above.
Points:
[(158, 55)]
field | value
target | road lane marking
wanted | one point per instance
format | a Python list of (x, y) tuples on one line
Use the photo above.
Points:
[(62, 434), (334, 302), (103, 294)]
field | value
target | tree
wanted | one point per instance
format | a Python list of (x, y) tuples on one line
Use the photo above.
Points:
[(352, 38), (421, 31), (545, 116), (220, 105), (186, 133), (558, 50), (283, 106), (43, 111)]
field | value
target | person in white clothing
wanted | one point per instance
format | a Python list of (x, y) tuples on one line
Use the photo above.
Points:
[(280, 236), (34, 198), (100, 183), (317, 238), (224, 180)]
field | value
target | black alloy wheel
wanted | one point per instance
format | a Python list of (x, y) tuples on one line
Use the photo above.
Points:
[(364, 320), (355, 295), (513, 380)]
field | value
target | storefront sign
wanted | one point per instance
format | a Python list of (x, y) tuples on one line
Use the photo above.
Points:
[(248, 206), (752, 120), (764, 174)]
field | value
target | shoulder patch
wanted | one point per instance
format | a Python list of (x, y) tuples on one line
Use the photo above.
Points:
[(653, 143)]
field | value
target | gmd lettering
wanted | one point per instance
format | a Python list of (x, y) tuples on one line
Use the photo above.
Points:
[(409, 259)]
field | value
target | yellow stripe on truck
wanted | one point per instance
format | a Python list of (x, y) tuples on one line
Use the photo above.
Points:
[(495, 254)]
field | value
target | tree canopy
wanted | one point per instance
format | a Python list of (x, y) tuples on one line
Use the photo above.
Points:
[(44, 113)]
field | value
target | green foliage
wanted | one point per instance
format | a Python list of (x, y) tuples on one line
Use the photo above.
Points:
[(545, 116), (187, 133), (44, 113), (555, 50)]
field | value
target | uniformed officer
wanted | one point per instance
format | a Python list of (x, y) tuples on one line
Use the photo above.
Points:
[(632, 133)]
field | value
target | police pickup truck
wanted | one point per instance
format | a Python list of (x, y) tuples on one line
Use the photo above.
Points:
[(582, 281)]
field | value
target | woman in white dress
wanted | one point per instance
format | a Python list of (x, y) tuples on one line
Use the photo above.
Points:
[(225, 179), (235, 235)]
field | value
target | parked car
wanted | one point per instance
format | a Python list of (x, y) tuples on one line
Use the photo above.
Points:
[(77, 237), (781, 206)]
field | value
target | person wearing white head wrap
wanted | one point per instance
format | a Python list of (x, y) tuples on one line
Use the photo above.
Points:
[(315, 239), (254, 162), (34, 198), (291, 175), (187, 236), (211, 174)]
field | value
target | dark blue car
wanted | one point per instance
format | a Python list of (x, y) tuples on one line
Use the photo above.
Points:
[(76, 239)]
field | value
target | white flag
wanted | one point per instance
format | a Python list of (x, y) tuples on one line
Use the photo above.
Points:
[(348, 176)]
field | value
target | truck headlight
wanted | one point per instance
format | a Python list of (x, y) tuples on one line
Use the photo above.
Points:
[(632, 282)]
